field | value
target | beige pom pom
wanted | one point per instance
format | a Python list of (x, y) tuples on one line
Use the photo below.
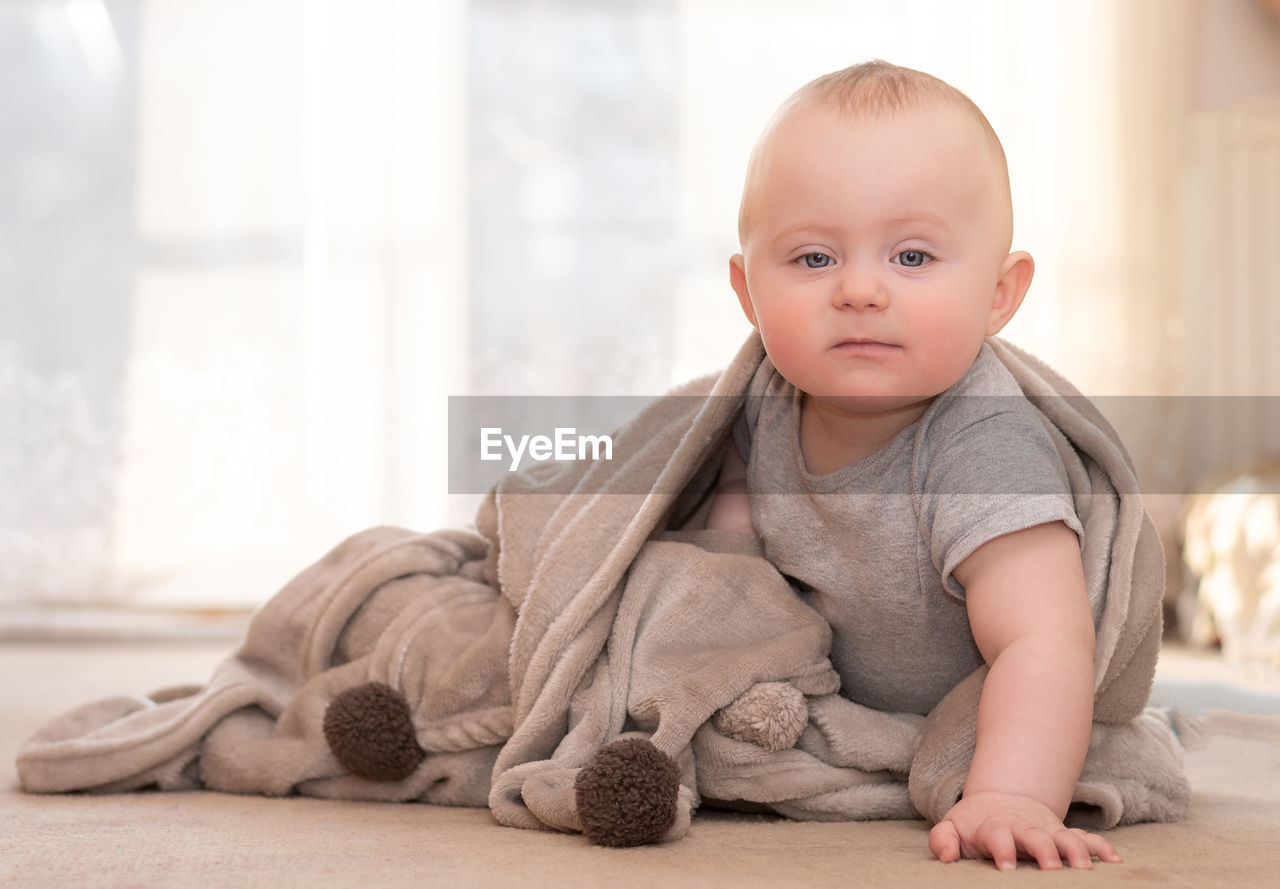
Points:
[(769, 714)]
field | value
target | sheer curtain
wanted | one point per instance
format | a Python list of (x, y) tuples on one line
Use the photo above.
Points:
[(303, 311), (253, 245), (235, 288)]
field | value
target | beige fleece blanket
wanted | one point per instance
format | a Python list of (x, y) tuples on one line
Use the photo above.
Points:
[(851, 762), (573, 618)]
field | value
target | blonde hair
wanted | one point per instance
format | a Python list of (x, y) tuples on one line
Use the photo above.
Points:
[(870, 88)]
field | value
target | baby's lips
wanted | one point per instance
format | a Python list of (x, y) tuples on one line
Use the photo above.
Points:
[(865, 343)]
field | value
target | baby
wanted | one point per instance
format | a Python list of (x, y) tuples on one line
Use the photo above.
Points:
[(887, 459)]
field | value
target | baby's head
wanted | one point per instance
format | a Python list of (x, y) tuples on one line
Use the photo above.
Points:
[(875, 228)]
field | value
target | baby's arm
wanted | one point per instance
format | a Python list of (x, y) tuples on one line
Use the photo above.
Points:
[(1030, 616), (730, 507)]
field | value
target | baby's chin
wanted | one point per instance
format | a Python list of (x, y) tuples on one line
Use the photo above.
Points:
[(872, 404)]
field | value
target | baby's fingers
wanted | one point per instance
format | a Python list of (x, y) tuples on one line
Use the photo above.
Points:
[(1097, 846), (1046, 850), (1073, 846), (997, 843), (944, 841), (1078, 848)]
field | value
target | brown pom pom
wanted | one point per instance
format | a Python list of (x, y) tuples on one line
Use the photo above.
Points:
[(627, 794), (370, 731)]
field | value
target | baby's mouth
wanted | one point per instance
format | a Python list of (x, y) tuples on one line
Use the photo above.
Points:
[(859, 346)]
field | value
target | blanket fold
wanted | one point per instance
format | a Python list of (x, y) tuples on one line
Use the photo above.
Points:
[(407, 610), (575, 615)]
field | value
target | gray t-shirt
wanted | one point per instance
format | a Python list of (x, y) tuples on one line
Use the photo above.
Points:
[(872, 545)]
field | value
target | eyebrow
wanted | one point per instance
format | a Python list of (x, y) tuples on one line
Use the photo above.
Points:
[(806, 228), (925, 216)]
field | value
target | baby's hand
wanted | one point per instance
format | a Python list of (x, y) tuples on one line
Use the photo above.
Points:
[(1002, 826)]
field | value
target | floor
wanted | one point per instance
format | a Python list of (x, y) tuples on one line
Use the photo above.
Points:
[(213, 840)]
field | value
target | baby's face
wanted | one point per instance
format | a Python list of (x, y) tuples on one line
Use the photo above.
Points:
[(873, 252)]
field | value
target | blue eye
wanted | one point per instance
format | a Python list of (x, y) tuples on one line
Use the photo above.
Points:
[(913, 259), (816, 260)]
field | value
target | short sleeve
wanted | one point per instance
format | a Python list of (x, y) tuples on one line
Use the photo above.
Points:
[(995, 476)]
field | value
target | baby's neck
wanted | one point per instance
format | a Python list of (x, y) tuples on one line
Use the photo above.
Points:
[(832, 437)]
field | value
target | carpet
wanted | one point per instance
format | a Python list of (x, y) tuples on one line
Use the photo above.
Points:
[(214, 840)]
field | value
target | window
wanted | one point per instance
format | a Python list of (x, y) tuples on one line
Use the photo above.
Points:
[(249, 247)]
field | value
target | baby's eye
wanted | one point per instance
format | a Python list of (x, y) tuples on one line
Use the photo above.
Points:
[(912, 259), (816, 260)]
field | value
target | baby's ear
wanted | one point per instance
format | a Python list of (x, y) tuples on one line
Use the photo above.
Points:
[(1011, 287), (738, 281)]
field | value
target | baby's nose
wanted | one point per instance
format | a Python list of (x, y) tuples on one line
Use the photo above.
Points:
[(861, 288)]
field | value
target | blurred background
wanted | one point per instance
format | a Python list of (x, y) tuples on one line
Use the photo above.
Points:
[(248, 248)]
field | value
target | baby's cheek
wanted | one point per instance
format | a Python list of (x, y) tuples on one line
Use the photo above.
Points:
[(951, 344), (785, 342)]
